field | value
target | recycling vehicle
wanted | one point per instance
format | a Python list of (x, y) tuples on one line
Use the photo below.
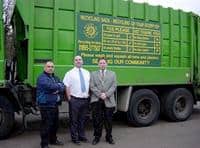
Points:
[(154, 51)]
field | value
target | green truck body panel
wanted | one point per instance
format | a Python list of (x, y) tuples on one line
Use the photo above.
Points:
[(198, 52), (53, 31), (2, 71)]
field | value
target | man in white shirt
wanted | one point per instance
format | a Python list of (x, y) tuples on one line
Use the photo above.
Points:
[(77, 90)]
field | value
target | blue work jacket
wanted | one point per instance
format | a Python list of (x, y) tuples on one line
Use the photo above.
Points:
[(49, 87)]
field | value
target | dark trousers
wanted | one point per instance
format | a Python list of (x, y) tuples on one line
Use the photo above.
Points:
[(102, 115), (78, 108), (49, 125)]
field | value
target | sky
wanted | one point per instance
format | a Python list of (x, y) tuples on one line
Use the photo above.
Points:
[(186, 5)]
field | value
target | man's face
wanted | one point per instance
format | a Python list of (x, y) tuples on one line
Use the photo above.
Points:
[(102, 64), (49, 67), (78, 62)]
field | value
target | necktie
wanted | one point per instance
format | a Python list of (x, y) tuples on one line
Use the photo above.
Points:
[(83, 89), (102, 74)]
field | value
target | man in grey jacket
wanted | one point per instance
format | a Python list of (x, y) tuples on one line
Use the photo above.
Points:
[(102, 86)]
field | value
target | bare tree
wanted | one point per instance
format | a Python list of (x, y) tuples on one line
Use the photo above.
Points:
[(10, 52)]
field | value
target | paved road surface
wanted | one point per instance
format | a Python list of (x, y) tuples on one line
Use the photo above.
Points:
[(163, 134)]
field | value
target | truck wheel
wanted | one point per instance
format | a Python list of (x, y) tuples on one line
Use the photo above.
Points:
[(6, 117), (144, 108), (178, 104)]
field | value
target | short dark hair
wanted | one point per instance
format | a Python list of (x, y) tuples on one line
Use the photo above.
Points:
[(102, 58)]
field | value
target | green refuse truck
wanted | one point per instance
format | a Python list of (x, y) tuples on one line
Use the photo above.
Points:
[(154, 51)]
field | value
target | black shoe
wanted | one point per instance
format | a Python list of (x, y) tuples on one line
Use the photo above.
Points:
[(95, 141), (83, 139), (76, 142), (57, 142), (45, 146), (110, 141)]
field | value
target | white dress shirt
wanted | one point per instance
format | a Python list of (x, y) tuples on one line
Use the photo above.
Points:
[(103, 72), (72, 81)]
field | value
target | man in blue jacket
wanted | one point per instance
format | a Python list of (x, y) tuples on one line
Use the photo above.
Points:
[(49, 88)]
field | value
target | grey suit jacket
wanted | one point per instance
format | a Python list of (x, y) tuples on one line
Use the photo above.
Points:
[(107, 85)]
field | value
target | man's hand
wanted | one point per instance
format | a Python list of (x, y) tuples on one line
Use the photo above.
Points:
[(56, 92), (103, 96), (69, 98)]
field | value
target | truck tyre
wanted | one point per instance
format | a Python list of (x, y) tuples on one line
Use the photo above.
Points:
[(144, 108), (178, 104), (6, 117)]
